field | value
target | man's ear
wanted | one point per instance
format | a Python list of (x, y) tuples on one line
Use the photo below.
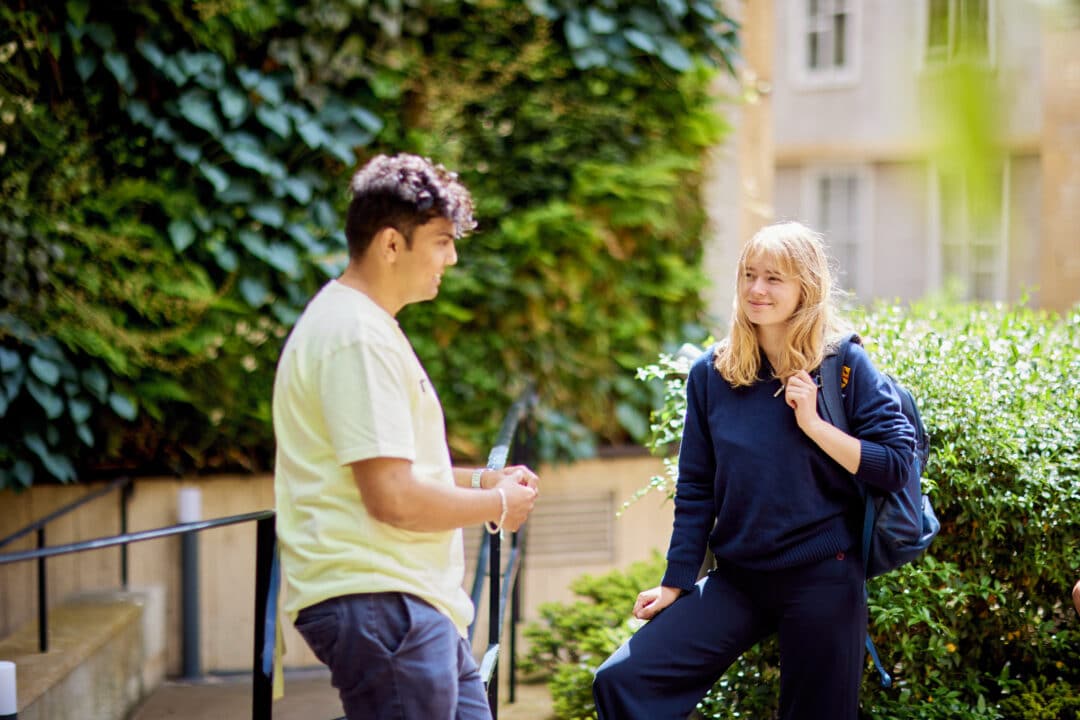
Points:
[(388, 242)]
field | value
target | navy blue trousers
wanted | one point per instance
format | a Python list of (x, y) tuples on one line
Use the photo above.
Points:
[(393, 656), (818, 612)]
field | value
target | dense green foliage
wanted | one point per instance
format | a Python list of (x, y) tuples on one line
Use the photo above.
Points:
[(982, 626), (174, 179)]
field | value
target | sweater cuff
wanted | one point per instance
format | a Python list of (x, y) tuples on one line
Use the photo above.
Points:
[(873, 460), (680, 577)]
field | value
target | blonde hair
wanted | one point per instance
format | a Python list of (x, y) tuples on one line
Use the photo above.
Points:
[(798, 253)]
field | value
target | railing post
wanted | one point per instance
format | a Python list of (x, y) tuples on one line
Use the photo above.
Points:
[(43, 597), (190, 510), (494, 601), (125, 496), (262, 683)]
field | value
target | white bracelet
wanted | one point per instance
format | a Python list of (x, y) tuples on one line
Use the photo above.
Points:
[(496, 527), (476, 475)]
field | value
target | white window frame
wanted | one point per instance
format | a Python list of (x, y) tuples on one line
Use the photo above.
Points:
[(863, 225), (923, 36), (936, 275), (799, 30)]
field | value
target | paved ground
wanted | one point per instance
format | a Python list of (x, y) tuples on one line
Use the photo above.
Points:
[(308, 696)]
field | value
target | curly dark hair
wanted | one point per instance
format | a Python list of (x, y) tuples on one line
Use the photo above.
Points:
[(404, 192)]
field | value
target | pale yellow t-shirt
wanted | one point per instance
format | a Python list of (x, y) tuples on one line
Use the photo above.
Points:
[(349, 387)]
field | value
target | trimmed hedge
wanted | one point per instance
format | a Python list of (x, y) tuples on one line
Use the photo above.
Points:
[(174, 177), (982, 626)]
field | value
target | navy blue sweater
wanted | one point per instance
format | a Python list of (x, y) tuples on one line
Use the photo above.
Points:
[(760, 492)]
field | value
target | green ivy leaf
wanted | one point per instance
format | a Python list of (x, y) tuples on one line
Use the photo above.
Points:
[(50, 401), (239, 192), (103, 35), (674, 55), (224, 257), (215, 175), (640, 40), (56, 465), (45, 370), (123, 406), (121, 70), (85, 435), (9, 359), (590, 58), (24, 473), (77, 10), (369, 120), (80, 409), (85, 65), (182, 234), (599, 21), (275, 120), (234, 105), (95, 381), (313, 135), (254, 291), (299, 188), (284, 258), (188, 153), (577, 36), (268, 214), (151, 52), (675, 8), (198, 109), (140, 113), (163, 131)]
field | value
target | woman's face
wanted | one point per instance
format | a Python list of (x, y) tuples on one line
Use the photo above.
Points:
[(767, 295)]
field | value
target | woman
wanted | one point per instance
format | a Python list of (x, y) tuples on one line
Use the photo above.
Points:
[(766, 484)]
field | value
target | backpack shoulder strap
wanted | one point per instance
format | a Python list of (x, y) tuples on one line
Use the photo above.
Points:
[(830, 401)]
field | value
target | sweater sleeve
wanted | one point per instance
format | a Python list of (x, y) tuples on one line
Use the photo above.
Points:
[(695, 506), (875, 418)]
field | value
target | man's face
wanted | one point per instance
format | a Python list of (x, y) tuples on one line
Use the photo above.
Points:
[(421, 266)]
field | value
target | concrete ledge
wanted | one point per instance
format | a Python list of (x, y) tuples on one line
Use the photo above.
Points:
[(94, 668)]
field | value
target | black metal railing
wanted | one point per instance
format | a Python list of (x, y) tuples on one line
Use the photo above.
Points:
[(502, 583), (263, 559), (38, 527)]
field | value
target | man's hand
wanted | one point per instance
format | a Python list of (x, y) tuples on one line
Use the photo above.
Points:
[(650, 602), (525, 476), (520, 498)]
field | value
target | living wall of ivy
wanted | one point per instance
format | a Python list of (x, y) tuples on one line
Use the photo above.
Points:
[(173, 178)]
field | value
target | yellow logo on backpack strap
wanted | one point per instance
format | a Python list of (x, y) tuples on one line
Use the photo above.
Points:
[(845, 375)]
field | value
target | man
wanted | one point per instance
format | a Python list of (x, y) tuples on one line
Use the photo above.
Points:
[(369, 508)]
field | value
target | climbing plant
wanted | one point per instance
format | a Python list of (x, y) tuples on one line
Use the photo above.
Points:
[(174, 178)]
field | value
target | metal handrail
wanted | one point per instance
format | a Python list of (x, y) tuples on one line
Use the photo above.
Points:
[(122, 482), (126, 538), (261, 684), (502, 585), (38, 527)]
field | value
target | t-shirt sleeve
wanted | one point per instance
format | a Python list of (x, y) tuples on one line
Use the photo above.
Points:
[(365, 400)]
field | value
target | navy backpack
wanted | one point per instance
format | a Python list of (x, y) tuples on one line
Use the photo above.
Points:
[(898, 526)]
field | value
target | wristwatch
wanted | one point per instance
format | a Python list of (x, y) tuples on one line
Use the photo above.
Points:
[(476, 474)]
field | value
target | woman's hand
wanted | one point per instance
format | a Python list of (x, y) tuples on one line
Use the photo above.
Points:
[(800, 393), (650, 602)]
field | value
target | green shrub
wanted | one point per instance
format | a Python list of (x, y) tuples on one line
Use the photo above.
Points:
[(982, 626)]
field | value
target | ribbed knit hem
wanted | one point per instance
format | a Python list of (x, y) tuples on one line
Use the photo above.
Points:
[(683, 578), (835, 539), (873, 461)]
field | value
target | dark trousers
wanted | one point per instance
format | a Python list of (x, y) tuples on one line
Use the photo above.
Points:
[(818, 611), (393, 656)]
